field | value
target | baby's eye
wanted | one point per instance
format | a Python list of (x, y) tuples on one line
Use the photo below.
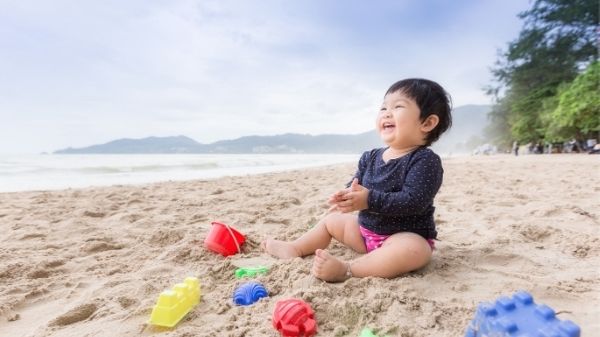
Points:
[(399, 106), (382, 109)]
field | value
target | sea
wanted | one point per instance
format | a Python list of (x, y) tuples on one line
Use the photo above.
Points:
[(54, 171)]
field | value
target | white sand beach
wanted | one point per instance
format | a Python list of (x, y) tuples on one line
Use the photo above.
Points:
[(92, 262)]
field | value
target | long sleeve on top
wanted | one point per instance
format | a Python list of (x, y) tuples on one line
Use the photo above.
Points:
[(401, 191)]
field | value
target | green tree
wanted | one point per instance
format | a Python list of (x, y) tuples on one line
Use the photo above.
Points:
[(557, 41), (577, 111)]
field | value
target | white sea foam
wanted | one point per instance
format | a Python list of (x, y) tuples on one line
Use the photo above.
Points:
[(50, 172)]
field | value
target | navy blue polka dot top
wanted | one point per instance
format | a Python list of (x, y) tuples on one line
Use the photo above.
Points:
[(401, 191)]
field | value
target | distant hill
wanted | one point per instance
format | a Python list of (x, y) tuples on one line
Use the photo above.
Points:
[(468, 122), (466, 133), (298, 143), (179, 144), (286, 143)]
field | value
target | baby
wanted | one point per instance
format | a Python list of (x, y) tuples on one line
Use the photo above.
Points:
[(393, 190)]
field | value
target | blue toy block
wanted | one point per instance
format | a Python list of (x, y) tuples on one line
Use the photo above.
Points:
[(249, 293), (519, 316)]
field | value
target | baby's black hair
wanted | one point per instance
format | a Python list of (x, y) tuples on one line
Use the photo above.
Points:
[(431, 99)]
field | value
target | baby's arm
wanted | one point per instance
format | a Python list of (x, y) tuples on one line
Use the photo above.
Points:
[(343, 195), (354, 200), (421, 184)]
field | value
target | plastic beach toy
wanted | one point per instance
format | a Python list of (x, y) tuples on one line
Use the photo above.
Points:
[(519, 315), (368, 333), (224, 239), (250, 271), (294, 317), (248, 293), (174, 304)]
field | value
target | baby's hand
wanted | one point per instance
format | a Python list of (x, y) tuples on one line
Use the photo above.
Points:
[(354, 200), (336, 198)]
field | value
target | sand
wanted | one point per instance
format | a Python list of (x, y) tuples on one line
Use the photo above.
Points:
[(91, 262)]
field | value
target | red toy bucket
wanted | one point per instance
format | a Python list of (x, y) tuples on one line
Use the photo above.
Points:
[(224, 239)]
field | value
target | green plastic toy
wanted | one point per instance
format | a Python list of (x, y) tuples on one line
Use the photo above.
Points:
[(250, 271), (368, 333)]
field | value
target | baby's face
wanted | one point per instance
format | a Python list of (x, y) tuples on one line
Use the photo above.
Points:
[(398, 121)]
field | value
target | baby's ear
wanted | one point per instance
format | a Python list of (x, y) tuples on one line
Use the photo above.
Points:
[(430, 123)]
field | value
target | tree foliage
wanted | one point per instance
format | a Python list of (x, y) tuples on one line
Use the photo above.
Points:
[(558, 40), (577, 109)]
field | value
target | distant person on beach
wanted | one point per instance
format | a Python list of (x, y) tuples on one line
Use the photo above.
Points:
[(515, 148), (393, 190), (573, 146), (539, 148)]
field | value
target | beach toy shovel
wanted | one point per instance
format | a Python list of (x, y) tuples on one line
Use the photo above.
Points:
[(224, 239)]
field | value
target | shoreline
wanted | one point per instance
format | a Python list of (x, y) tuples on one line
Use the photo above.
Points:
[(79, 171), (184, 180), (446, 157)]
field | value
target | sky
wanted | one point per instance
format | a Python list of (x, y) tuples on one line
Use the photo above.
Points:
[(75, 73)]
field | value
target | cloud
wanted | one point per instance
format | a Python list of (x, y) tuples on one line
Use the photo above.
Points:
[(79, 73)]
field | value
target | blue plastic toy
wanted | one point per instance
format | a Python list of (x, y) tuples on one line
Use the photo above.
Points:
[(519, 316), (249, 293)]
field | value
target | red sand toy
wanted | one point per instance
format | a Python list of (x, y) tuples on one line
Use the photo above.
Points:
[(224, 239), (294, 317)]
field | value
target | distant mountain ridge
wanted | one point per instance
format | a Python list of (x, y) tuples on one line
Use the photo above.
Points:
[(468, 121), (286, 143), (179, 144)]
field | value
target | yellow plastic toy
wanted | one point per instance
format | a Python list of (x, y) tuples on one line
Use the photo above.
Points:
[(174, 304)]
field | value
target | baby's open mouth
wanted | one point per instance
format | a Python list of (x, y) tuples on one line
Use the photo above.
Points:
[(388, 126)]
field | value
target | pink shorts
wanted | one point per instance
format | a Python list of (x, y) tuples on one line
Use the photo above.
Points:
[(374, 240)]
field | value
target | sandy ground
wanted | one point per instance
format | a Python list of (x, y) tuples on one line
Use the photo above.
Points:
[(91, 262)]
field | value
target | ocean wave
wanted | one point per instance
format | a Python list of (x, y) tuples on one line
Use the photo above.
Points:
[(65, 171), (107, 169)]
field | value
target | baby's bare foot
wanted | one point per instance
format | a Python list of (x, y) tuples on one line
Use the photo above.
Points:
[(328, 267), (280, 249)]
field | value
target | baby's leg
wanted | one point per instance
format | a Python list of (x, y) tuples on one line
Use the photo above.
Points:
[(399, 254), (342, 227)]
